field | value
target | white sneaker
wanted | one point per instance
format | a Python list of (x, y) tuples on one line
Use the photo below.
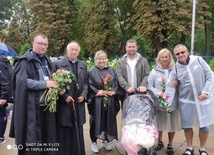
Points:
[(106, 145), (2, 140), (94, 147)]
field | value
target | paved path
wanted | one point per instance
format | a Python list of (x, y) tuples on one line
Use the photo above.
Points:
[(179, 143)]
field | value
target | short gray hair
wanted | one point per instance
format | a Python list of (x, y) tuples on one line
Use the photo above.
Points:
[(180, 45), (40, 35)]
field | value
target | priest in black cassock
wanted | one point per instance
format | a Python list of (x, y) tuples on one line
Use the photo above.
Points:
[(70, 121)]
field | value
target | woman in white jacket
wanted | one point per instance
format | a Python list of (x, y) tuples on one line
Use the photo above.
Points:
[(166, 121)]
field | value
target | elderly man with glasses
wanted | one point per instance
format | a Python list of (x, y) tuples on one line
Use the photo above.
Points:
[(195, 81)]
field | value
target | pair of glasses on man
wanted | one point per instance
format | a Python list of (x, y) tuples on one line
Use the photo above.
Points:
[(182, 52), (42, 44)]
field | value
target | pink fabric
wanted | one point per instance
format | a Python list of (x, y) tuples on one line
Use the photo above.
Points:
[(153, 131), (137, 136), (129, 149)]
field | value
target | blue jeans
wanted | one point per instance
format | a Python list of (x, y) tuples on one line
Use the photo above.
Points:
[(3, 123), (205, 129)]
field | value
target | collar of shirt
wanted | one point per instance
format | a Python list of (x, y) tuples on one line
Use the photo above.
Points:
[(73, 61), (186, 61)]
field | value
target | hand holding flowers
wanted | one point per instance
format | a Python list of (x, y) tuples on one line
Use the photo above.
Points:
[(62, 78), (164, 104), (107, 88), (163, 100)]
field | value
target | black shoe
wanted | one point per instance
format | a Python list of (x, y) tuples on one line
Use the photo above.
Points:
[(143, 151), (170, 150), (159, 146), (188, 152), (2, 140), (203, 151)]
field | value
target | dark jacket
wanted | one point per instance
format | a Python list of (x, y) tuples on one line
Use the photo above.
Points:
[(24, 124), (5, 80), (64, 110)]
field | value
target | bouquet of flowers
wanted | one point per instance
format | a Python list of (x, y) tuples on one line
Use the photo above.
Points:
[(106, 82), (164, 104), (163, 100), (62, 78)]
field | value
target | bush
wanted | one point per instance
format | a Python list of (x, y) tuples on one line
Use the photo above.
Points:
[(24, 48), (212, 64), (112, 63)]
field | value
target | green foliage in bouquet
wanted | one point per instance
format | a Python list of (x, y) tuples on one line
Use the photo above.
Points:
[(63, 78)]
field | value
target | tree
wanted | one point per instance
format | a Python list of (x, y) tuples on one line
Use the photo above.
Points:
[(202, 39), (55, 19), (212, 26), (162, 21), (124, 10), (20, 27), (210, 29), (99, 27), (142, 44), (6, 12), (155, 20), (108, 24)]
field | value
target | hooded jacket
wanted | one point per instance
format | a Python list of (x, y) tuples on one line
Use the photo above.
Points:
[(141, 70)]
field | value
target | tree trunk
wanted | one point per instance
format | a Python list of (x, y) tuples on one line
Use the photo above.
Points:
[(182, 39), (207, 33)]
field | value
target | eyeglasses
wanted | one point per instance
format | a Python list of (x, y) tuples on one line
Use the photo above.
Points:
[(42, 44), (182, 52)]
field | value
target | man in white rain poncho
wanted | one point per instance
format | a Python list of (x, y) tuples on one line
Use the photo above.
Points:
[(194, 83)]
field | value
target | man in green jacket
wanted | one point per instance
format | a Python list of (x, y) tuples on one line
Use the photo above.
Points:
[(132, 73), (132, 69)]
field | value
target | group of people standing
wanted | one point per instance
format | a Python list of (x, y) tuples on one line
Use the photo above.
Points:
[(189, 82)]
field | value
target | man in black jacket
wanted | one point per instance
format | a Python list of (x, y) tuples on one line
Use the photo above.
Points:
[(5, 79), (33, 127), (70, 122)]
